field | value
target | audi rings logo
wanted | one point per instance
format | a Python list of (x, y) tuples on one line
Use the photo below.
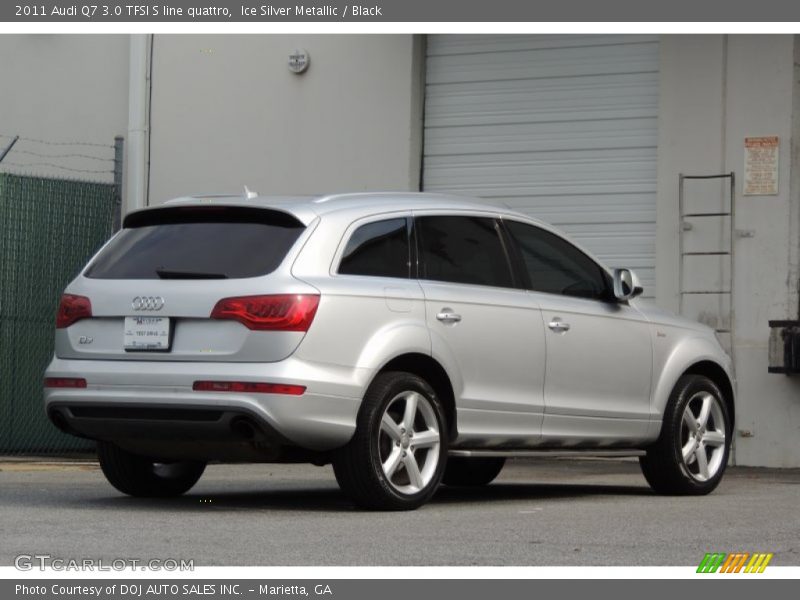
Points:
[(147, 303)]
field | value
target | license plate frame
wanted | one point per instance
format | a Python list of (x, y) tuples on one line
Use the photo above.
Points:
[(147, 334)]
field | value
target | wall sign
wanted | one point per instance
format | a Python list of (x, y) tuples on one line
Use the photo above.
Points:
[(761, 166)]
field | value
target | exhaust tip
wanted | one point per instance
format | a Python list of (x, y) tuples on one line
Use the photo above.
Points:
[(58, 419), (243, 428)]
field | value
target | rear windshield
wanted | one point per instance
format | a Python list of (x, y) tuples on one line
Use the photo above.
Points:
[(198, 243)]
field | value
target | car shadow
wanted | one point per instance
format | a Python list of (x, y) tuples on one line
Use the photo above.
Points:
[(331, 499), (534, 491)]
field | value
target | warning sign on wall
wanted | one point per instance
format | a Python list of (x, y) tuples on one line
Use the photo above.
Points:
[(761, 166)]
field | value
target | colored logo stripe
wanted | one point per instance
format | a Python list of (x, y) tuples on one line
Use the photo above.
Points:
[(758, 563), (711, 562), (735, 562)]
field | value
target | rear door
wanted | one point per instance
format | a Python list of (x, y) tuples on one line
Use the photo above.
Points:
[(599, 351), (200, 283), (487, 333), (374, 309)]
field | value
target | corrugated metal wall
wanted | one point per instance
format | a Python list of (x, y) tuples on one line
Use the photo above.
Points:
[(561, 127)]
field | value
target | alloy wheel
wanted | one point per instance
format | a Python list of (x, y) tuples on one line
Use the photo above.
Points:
[(703, 436), (409, 442)]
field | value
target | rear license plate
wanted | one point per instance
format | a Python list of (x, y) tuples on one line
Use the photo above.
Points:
[(146, 333)]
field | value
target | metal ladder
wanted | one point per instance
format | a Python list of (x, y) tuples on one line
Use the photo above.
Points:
[(724, 322)]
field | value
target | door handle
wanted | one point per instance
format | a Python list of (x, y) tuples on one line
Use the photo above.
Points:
[(448, 316), (558, 325)]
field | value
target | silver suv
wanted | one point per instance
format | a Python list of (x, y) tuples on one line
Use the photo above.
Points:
[(408, 339)]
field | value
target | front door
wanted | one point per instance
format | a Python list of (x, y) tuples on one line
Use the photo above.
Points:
[(599, 351)]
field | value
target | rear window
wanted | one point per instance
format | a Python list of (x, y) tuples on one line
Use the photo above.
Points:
[(206, 242)]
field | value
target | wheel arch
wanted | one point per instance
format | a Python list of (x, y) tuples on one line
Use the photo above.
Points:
[(697, 356), (716, 373), (429, 369)]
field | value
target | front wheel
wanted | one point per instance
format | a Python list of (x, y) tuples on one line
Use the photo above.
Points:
[(398, 453), (147, 477), (691, 453)]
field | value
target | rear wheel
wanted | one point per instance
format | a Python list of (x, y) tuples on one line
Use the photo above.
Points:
[(146, 477), (691, 453), (397, 456), (472, 472)]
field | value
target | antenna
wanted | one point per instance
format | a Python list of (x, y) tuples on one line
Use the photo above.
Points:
[(248, 194)]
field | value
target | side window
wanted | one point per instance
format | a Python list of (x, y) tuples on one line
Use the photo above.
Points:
[(462, 250), (379, 249), (555, 266)]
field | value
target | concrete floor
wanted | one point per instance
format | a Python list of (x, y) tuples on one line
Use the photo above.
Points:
[(538, 512)]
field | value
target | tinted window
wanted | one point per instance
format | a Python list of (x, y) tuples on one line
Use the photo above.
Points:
[(202, 243), (379, 249), (462, 250), (555, 266)]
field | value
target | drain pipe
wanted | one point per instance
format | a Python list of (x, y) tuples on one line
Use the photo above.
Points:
[(138, 96)]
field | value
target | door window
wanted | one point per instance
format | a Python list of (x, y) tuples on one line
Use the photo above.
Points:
[(555, 266), (462, 249), (379, 249)]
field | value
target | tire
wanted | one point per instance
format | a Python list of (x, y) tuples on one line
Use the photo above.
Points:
[(146, 477), (681, 462), (397, 465), (472, 472)]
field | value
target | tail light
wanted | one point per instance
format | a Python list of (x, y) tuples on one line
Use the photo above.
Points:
[(248, 387), (282, 312), (72, 308), (64, 382)]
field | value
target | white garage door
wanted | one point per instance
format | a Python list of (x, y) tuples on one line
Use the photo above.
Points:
[(560, 127)]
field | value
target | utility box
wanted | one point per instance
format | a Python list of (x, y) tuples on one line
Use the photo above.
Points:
[(784, 347)]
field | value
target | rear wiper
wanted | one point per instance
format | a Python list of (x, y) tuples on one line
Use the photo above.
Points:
[(177, 274)]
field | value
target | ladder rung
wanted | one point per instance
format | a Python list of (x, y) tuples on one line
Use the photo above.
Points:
[(727, 214), (720, 176)]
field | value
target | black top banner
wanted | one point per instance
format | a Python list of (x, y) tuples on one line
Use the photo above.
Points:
[(243, 11)]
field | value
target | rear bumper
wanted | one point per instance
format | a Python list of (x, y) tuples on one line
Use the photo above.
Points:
[(145, 401)]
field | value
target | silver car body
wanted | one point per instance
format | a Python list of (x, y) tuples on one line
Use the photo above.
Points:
[(516, 381)]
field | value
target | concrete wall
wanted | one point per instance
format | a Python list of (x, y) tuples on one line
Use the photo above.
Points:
[(63, 88), (717, 90), (226, 111)]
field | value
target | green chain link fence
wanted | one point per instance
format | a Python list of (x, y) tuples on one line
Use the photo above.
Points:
[(48, 230)]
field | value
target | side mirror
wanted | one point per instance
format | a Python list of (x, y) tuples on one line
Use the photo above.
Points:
[(626, 284)]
